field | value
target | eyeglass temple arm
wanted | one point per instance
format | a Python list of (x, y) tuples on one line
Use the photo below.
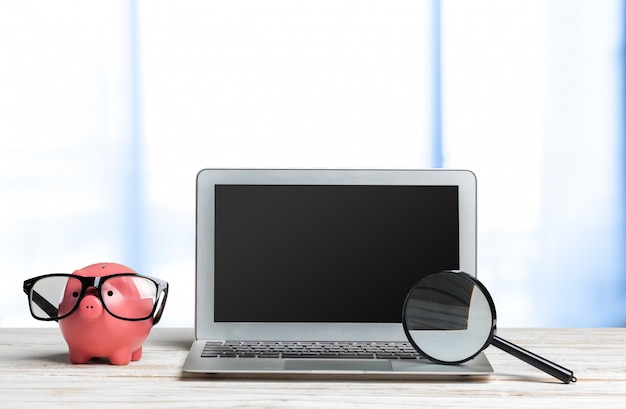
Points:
[(559, 372), (159, 312), (45, 305)]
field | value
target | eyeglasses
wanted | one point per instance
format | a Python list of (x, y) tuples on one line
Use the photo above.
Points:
[(129, 297)]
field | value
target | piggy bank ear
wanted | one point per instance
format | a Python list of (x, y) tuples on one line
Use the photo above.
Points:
[(129, 297)]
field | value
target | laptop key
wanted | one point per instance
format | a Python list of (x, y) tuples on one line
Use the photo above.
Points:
[(269, 355), (324, 350)]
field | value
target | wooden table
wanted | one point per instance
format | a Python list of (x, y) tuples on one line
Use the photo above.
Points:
[(35, 372)]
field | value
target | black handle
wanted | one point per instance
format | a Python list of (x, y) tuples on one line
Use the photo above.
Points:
[(562, 374)]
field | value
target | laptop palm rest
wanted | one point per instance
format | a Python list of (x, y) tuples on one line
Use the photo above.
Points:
[(332, 365)]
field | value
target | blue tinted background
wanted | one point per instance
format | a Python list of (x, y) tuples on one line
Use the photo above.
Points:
[(108, 110)]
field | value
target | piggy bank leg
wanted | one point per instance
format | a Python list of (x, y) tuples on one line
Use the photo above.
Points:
[(136, 356), (120, 357), (79, 357)]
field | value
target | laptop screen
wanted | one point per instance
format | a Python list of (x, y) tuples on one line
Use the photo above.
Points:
[(328, 253)]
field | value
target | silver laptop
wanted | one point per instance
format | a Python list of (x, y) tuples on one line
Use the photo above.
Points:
[(304, 272)]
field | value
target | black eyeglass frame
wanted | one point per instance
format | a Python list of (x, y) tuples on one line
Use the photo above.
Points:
[(95, 282)]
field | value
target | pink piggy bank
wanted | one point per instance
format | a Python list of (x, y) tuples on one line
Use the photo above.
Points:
[(108, 311)]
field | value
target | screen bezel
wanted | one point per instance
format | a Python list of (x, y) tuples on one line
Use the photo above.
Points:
[(207, 328)]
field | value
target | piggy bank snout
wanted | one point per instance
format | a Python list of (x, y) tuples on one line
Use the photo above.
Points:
[(90, 308)]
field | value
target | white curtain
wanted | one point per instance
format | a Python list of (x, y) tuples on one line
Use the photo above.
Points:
[(65, 132), (533, 103)]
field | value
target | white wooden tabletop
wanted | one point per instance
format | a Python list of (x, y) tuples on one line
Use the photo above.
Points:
[(35, 373)]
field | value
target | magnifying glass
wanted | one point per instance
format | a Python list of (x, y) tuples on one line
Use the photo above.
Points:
[(449, 317)]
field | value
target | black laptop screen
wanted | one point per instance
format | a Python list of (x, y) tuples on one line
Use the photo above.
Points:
[(328, 253)]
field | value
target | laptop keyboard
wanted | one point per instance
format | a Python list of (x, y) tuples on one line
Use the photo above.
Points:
[(324, 350)]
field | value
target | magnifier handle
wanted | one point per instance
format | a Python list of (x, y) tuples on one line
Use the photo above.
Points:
[(563, 374)]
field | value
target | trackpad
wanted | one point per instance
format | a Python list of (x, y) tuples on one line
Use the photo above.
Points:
[(334, 365)]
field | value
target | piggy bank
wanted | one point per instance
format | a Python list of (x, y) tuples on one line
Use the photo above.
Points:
[(111, 311)]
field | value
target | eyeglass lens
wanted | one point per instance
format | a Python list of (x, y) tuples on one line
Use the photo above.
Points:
[(48, 297), (128, 297)]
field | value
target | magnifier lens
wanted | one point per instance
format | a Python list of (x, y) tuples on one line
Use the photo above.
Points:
[(448, 318)]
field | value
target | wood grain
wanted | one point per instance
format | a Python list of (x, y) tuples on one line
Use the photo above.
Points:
[(35, 373)]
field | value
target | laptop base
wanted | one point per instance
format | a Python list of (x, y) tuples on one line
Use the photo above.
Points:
[(478, 368)]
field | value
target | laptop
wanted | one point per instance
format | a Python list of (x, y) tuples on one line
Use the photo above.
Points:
[(305, 272)]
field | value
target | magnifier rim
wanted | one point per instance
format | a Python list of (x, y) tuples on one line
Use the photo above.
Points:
[(492, 307)]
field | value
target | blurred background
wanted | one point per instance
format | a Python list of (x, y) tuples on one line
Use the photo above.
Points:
[(109, 109)]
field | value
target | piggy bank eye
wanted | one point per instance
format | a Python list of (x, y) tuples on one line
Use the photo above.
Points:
[(75, 294), (110, 293)]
